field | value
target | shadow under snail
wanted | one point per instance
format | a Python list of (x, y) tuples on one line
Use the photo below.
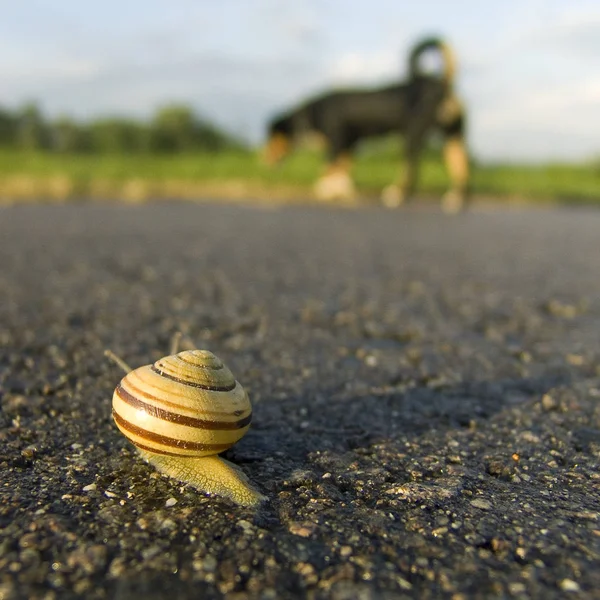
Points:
[(180, 413)]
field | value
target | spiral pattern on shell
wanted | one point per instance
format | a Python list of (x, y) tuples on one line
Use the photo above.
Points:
[(188, 404)]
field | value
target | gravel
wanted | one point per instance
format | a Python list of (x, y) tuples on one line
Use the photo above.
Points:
[(426, 393)]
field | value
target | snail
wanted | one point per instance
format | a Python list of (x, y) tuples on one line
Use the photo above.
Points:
[(180, 413)]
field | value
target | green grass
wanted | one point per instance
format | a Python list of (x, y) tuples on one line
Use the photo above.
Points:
[(554, 181), (374, 169)]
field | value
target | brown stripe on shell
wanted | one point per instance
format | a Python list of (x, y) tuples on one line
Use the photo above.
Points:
[(180, 419), (171, 393), (164, 440), (165, 452), (200, 365), (203, 386)]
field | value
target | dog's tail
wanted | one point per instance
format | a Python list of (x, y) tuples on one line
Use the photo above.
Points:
[(447, 56)]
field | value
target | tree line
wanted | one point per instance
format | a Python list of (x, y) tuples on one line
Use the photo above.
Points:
[(172, 129)]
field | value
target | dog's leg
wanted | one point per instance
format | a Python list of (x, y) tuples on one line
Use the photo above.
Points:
[(276, 149), (457, 164), (336, 183), (396, 194)]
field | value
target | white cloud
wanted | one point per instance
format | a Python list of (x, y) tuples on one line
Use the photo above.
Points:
[(69, 68), (357, 68), (574, 35), (539, 107)]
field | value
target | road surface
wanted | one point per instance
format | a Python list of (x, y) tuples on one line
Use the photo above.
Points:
[(426, 396)]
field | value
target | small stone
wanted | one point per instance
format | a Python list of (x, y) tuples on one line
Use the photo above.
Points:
[(302, 476), (245, 525), (529, 436), (168, 525), (170, 502), (90, 488), (371, 361), (7, 590), (29, 452), (525, 357), (117, 567), (568, 585), (481, 503), (151, 552), (29, 540), (110, 514), (403, 583), (90, 559), (302, 529), (560, 309), (110, 494), (548, 402), (576, 360), (308, 573), (209, 564), (82, 586), (498, 545)]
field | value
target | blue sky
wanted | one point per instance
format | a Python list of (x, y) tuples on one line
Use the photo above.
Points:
[(529, 70)]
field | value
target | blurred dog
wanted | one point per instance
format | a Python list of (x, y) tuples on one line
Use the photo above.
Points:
[(416, 107)]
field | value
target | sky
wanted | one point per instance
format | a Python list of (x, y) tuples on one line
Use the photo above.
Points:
[(529, 70)]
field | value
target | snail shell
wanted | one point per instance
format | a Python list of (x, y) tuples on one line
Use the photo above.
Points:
[(180, 413)]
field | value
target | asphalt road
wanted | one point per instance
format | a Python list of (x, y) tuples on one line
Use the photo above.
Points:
[(426, 399)]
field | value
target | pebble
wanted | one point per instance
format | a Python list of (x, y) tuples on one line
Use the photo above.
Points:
[(209, 564), (29, 452), (90, 488), (168, 525), (90, 559), (481, 503), (517, 587), (302, 529), (151, 552), (568, 585), (170, 502), (548, 402), (371, 361), (308, 573), (245, 525)]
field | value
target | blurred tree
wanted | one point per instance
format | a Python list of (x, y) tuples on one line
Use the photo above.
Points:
[(69, 136), (173, 129), (8, 128), (210, 137), (32, 131), (114, 135)]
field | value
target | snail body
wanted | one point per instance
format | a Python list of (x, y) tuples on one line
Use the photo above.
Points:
[(180, 413)]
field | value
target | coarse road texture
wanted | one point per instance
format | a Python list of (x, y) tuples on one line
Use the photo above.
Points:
[(426, 393)]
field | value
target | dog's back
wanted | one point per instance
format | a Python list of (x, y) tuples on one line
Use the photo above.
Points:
[(422, 103), (368, 112)]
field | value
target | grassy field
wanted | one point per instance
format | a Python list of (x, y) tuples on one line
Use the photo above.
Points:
[(239, 174)]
